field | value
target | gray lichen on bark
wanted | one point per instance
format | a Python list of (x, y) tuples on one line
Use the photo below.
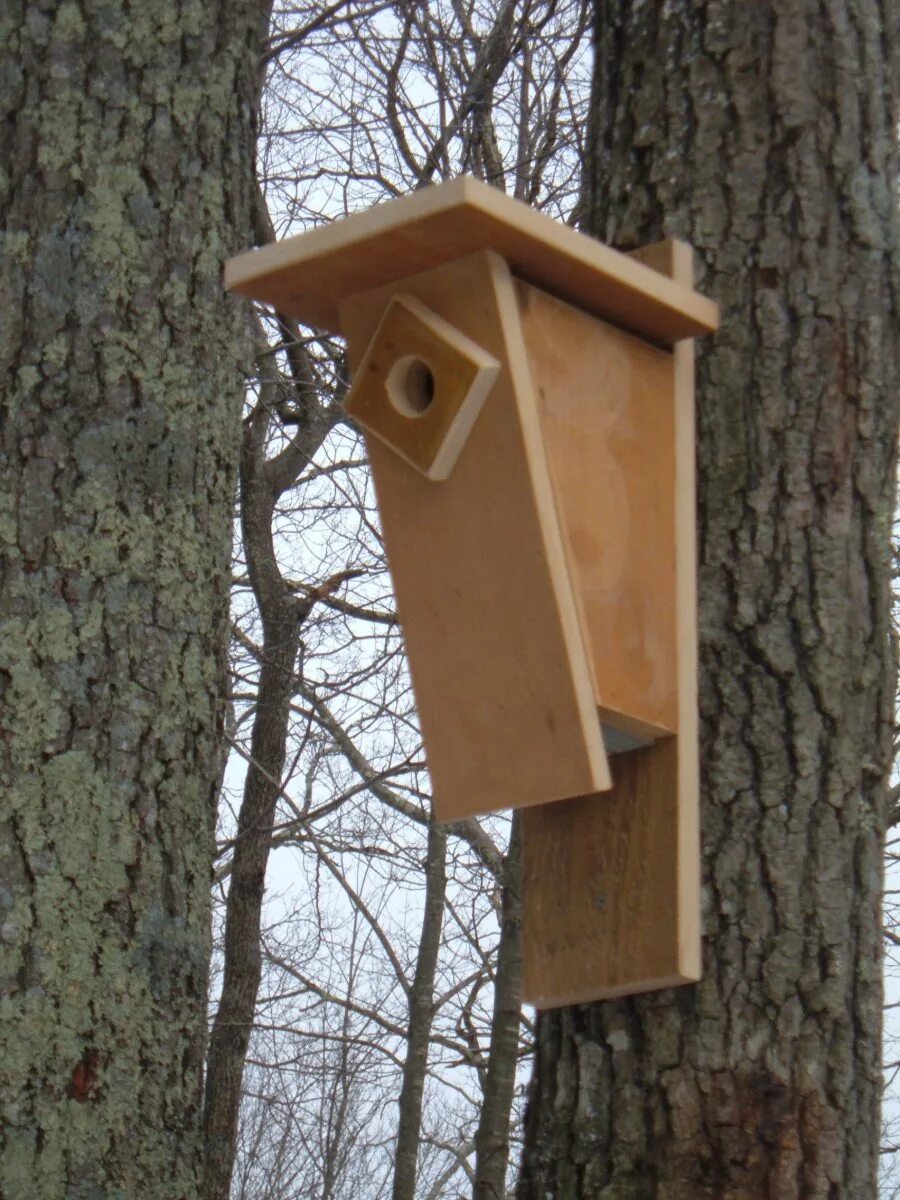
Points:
[(765, 135), (126, 146)]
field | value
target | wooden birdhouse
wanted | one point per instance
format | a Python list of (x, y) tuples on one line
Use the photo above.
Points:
[(527, 399)]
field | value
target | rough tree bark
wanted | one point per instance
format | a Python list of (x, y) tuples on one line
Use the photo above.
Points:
[(765, 134), (126, 152)]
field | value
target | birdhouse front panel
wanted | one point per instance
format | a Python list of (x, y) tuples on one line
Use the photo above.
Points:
[(484, 595)]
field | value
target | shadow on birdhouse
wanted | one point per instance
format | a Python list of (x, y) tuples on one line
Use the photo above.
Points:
[(527, 396)]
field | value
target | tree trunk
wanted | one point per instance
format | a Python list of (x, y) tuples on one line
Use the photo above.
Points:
[(492, 1135), (126, 151), (421, 1015), (262, 483), (765, 134)]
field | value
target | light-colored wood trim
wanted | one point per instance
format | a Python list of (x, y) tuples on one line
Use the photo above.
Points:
[(689, 867), (308, 276), (483, 594), (676, 259)]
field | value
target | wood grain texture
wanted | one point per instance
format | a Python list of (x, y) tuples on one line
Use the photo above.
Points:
[(628, 918), (308, 276), (610, 928), (484, 597)]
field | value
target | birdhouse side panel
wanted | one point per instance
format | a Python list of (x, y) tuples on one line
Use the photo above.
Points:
[(607, 410)]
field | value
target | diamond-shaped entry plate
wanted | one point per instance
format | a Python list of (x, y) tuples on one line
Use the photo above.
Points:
[(420, 386)]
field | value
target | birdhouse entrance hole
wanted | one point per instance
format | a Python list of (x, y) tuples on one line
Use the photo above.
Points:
[(410, 386)]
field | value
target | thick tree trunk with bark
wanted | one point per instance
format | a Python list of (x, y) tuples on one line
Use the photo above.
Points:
[(764, 134), (126, 150)]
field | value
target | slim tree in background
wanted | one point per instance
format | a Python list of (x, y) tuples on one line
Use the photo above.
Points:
[(126, 176), (765, 134)]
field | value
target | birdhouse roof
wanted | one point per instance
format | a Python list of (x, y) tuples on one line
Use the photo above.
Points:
[(307, 276)]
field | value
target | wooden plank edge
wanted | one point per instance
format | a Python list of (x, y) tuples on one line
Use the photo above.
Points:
[(676, 258), (589, 996), (539, 468)]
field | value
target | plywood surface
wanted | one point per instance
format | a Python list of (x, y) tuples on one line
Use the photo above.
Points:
[(628, 918), (484, 598), (606, 405), (308, 276)]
